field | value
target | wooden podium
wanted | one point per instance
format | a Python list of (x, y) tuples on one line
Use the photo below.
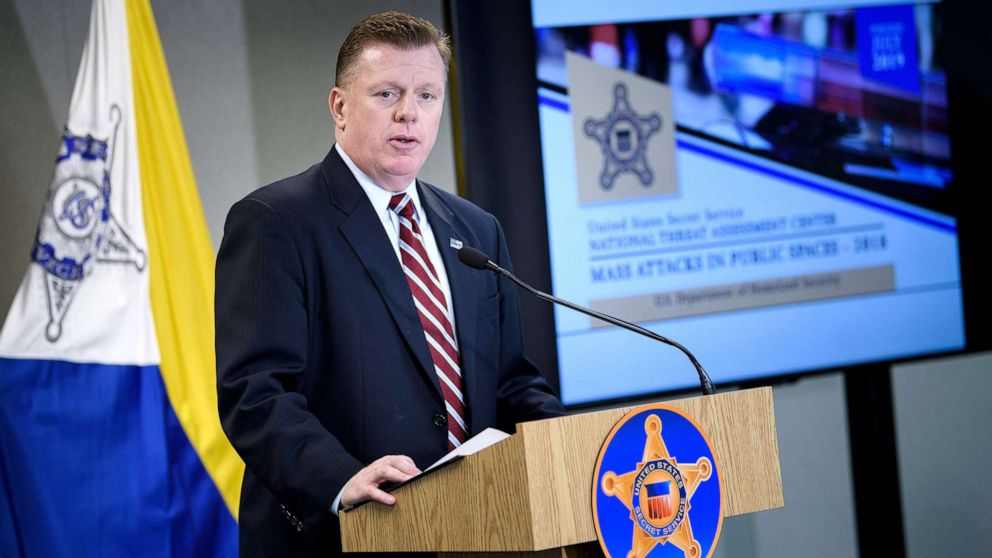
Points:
[(532, 493)]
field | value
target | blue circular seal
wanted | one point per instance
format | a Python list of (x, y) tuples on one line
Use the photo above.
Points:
[(656, 490)]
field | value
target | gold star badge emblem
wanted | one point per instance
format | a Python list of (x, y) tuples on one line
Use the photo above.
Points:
[(658, 493)]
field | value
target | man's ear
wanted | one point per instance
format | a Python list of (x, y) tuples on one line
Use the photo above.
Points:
[(335, 103)]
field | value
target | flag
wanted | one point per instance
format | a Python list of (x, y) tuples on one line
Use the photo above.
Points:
[(659, 500), (110, 441)]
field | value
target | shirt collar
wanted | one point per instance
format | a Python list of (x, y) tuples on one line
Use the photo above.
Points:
[(378, 195)]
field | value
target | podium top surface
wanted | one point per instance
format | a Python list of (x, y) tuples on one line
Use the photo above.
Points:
[(533, 491)]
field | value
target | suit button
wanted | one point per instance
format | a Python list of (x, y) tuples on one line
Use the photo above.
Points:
[(440, 419)]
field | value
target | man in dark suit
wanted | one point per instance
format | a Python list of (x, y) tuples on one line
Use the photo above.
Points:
[(353, 349)]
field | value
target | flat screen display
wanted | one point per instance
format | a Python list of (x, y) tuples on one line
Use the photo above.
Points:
[(765, 182)]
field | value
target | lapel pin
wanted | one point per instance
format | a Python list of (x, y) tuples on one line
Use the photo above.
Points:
[(456, 244)]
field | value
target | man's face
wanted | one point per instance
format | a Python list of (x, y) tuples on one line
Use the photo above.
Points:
[(387, 114)]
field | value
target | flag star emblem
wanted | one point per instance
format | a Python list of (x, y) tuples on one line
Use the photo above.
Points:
[(77, 228)]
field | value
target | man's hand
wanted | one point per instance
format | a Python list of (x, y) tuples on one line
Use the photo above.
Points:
[(365, 484)]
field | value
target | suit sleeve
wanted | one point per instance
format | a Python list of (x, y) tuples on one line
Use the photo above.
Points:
[(523, 394), (262, 346)]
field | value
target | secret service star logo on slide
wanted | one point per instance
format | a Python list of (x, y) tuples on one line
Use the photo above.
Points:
[(623, 137)]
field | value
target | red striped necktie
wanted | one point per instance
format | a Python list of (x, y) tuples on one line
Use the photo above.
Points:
[(433, 311)]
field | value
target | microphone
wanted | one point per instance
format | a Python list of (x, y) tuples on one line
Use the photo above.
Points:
[(478, 260)]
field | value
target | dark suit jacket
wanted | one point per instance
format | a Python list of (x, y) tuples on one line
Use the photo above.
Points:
[(321, 359)]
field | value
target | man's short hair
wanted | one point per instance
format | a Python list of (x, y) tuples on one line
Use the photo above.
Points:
[(395, 29)]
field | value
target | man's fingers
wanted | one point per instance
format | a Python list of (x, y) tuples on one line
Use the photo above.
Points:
[(407, 465), (374, 493), (365, 484), (362, 489), (377, 495), (391, 474), (401, 462)]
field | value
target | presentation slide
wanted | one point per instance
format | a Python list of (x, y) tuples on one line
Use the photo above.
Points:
[(767, 188)]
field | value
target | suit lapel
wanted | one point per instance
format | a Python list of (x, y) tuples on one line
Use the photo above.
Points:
[(462, 282), (363, 230)]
